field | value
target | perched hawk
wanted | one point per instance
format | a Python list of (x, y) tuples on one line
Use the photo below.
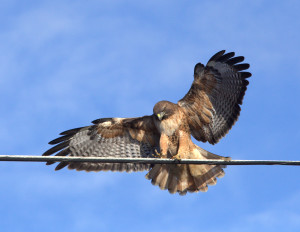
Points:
[(207, 112)]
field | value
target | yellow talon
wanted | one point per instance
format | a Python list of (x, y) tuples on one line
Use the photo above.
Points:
[(176, 157), (157, 154)]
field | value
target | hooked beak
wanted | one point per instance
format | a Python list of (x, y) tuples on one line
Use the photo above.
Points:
[(160, 115)]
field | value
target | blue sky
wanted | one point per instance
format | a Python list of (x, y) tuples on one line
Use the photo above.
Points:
[(66, 63)]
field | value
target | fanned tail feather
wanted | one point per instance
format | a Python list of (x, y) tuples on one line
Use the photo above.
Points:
[(183, 178)]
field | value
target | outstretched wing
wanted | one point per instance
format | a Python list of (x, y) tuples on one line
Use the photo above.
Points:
[(108, 137), (213, 101)]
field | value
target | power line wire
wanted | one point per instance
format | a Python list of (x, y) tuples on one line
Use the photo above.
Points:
[(32, 158)]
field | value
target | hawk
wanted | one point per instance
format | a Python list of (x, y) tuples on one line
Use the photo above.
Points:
[(207, 112)]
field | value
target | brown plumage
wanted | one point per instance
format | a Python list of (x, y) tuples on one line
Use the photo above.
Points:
[(207, 112)]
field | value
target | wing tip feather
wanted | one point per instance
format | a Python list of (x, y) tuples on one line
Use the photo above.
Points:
[(217, 56), (72, 131), (246, 74), (61, 165), (241, 67)]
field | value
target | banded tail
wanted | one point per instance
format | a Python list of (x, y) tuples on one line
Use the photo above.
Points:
[(183, 178)]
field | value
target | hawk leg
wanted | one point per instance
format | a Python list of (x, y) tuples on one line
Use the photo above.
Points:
[(185, 146), (163, 143)]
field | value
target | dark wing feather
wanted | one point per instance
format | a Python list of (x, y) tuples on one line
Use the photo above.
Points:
[(213, 101), (109, 137)]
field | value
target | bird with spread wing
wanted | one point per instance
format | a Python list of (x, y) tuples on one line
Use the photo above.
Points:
[(207, 112)]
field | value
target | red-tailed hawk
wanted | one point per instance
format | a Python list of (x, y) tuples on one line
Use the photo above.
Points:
[(207, 112)]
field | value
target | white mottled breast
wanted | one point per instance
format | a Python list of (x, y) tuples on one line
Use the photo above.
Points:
[(168, 126)]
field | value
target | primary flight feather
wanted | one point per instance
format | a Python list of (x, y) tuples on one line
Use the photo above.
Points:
[(207, 112)]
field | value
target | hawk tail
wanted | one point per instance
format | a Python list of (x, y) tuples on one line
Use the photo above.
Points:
[(183, 178)]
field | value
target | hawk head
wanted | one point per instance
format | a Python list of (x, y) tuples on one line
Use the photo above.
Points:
[(164, 109)]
